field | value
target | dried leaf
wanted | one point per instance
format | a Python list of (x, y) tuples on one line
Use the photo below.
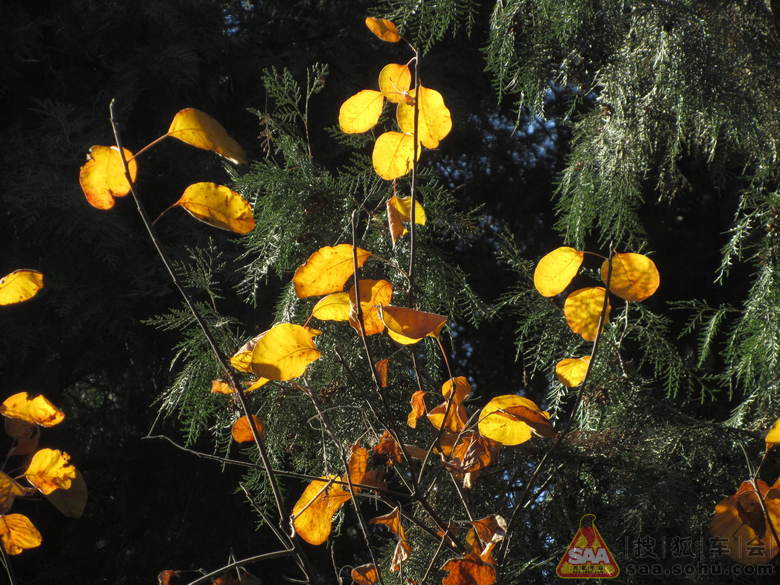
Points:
[(468, 570), (394, 82), (242, 433), (32, 409), (50, 470), (634, 276), (218, 206), (221, 387), (393, 521), (571, 371), (102, 177), (511, 420), (417, 403), (361, 111), (20, 286), (284, 352), (408, 326), (556, 270), (392, 155), (485, 534), (582, 310), (384, 29), (365, 574), (388, 449), (200, 130), (399, 210), (456, 419), (433, 119), (382, 370), (462, 388), (18, 533), (9, 489), (27, 436), (72, 501), (327, 270)]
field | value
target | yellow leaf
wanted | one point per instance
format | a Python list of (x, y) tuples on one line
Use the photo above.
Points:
[(456, 419), (102, 177), (242, 433), (384, 29), (582, 310), (327, 270), (511, 420), (634, 276), (373, 294), (218, 206), (19, 286), (407, 326), (284, 352), (773, 435), (555, 270), (571, 371), (357, 465), (50, 470), (32, 409), (433, 118), (462, 389), (9, 489), (242, 359), (334, 307), (394, 82), (393, 154), (72, 501), (399, 209), (361, 112), (221, 387), (417, 402), (365, 574), (18, 533), (313, 512), (258, 383), (200, 130)]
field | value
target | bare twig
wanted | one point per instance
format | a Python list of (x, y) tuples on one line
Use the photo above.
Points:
[(241, 562)]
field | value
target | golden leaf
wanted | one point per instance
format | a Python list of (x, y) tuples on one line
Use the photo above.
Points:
[(32, 409), (773, 435), (456, 419), (221, 387), (200, 130), (284, 352), (556, 270), (384, 29), (399, 210), (365, 574), (582, 310), (462, 388), (382, 369), (50, 470), (102, 177), (241, 431), (334, 307), (19, 286), (313, 512), (433, 118), (394, 82), (388, 449), (361, 112), (392, 155), (511, 420), (9, 489), (373, 294), (634, 276), (571, 371), (218, 206), (18, 533), (468, 570), (417, 403), (327, 270), (393, 521), (408, 326)]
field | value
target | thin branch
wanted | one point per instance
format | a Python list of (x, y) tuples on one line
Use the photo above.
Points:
[(241, 562)]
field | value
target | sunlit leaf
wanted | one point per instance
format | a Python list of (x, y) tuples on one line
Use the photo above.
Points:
[(456, 418), (365, 574), (634, 276), (556, 270), (50, 470), (485, 534), (773, 435), (102, 177), (571, 371), (327, 270), (510, 420), (433, 119), (72, 501), (242, 433), (384, 29), (284, 352), (388, 449), (313, 512), (218, 206), (393, 521), (32, 409), (741, 525), (9, 489), (394, 82), (200, 130), (17, 533), (582, 310), (19, 286), (357, 464), (392, 155), (221, 387), (468, 570), (382, 368), (408, 326), (399, 210), (461, 385), (417, 403), (333, 307), (470, 454), (361, 112), (373, 294)]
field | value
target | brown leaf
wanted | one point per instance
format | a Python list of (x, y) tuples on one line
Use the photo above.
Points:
[(365, 574), (242, 432), (388, 449), (382, 369), (468, 570), (417, 403)]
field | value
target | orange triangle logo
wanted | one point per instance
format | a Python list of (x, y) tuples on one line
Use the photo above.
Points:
[(587, 557)]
